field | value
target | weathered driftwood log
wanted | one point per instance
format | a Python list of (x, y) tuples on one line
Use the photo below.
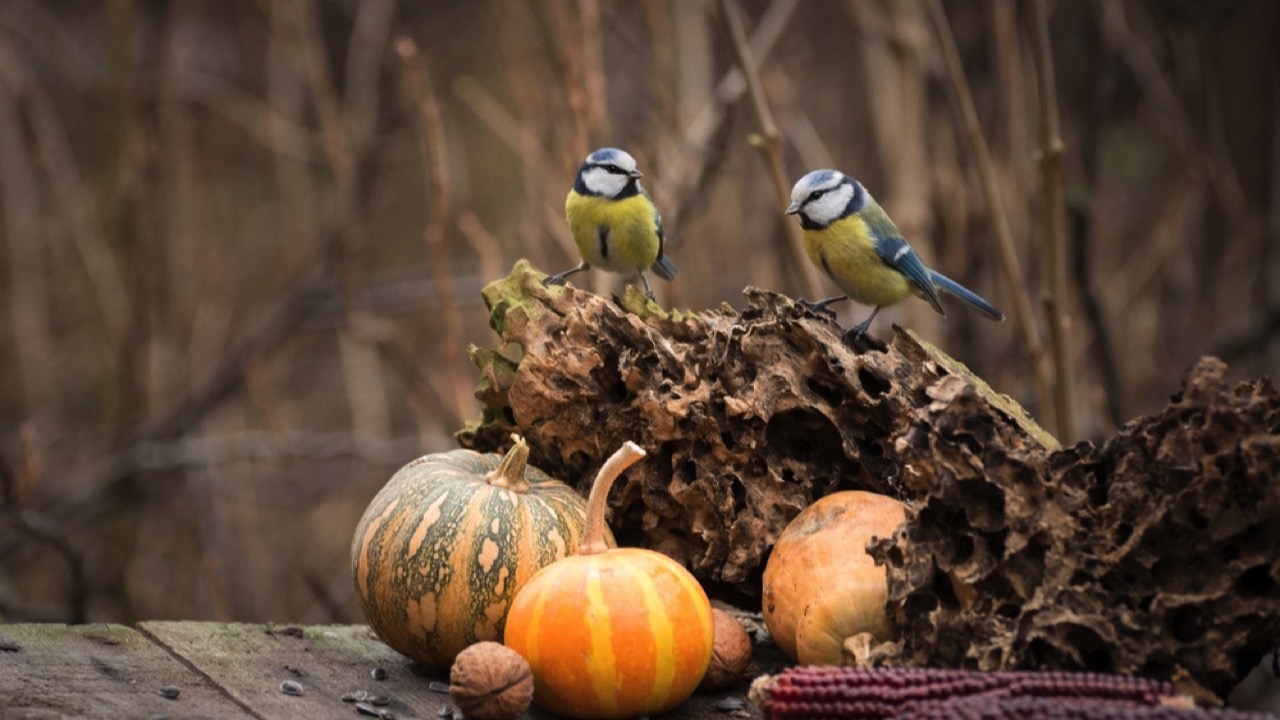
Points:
[(1156, 551)]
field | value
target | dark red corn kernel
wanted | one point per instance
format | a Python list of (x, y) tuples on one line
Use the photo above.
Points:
[(875, 694), (1044, 708)]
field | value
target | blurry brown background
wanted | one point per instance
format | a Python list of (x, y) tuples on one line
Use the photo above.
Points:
[(242, 242)]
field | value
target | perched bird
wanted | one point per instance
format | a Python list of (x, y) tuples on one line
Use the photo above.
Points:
[(613, 221), (851, 238)]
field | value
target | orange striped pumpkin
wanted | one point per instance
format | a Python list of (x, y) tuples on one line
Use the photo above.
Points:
[(444, 546), (612, 633)]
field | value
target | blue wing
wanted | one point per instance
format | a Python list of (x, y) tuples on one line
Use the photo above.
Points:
[(898, 255), (662, 267)]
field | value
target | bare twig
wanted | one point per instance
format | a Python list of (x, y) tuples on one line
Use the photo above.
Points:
[(76, 202), (1101, 347), (706, 137), (27, 297), (526, 147), (1052, 205), (171, 452), (309, 47), (593, 77), (1023, 310), (1205, 149), (42, 529), (364, 63), (282, 136), (561, 22), (731, 87), (770, 144), (213, 450), (228, 375), (670, 76), (486, 247), (418, 89)]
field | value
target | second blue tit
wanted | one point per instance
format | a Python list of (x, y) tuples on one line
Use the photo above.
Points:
[(614, 222), (851, 239)]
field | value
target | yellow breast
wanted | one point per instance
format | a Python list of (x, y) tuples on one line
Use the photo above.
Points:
[(845, 251), (616, 235)]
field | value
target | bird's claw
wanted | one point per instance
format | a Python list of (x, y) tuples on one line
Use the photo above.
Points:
[(818, 307), (858, 338)]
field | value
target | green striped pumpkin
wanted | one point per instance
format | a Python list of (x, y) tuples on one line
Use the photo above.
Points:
[(442, 549)]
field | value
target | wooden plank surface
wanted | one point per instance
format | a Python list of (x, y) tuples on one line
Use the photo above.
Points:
[(236, 671), (251, 662), (98, 671)]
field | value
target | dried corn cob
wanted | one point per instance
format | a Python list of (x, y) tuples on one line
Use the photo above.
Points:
[(1060, 708), (877, 693)]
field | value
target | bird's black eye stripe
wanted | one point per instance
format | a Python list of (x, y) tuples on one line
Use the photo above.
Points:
[(817, 194), (614, 169)]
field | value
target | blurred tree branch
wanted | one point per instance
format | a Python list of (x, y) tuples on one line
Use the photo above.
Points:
[(770, 145), (705, 138), (1023, 312), (452, 387), (1052, 209)]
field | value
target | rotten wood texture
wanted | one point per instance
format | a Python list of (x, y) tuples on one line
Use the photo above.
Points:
[(216, 670), (748, 416), (1156, 552)]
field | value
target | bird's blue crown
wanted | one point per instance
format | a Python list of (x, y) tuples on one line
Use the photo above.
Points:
[(604, 156), (823, 178)]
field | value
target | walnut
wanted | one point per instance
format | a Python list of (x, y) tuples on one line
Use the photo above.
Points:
[(730, 654), (490, 681)]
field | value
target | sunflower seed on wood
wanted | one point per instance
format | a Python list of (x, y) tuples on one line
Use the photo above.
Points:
[(355, 696), (365, 708), (378, 673), (445, 711), (730, 704), (169, 691), (289, 687), (437, 686), (379, 700)]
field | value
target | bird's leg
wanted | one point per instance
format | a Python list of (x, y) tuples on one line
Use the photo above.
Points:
[(857, 331), (648, 292), (821, 306), (559, 278)]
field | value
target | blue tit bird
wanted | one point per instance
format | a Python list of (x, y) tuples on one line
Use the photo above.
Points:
[(614, 222), (851, 239)]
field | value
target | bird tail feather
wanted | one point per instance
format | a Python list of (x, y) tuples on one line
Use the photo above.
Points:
[(953, 288), (664, 268)]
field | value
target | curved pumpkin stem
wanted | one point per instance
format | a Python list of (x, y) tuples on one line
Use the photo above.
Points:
[(593, 533), (510, 472)]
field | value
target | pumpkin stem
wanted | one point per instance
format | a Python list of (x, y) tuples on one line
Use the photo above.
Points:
[(593, 532), (510, 472)]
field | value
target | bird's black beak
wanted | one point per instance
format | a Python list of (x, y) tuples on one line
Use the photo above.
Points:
[(635, 174), (793, 208)]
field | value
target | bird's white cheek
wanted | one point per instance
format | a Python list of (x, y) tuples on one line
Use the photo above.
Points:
[(602, 182), (830, 207), (824, 211)]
